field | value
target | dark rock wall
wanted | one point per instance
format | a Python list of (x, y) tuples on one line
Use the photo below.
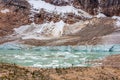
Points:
[(17, 3), (108, 7), (60, 2), (17, 16)]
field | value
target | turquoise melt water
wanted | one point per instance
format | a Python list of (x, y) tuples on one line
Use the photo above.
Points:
[(45, 57)]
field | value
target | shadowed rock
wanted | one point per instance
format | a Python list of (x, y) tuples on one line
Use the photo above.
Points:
[(17, 15), (108, 7), (18, 3)]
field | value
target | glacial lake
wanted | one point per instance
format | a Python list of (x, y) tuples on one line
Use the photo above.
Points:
[(52, 57)]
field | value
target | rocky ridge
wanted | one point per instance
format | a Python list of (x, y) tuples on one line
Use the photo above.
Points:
[(13, 14), (107, 7)]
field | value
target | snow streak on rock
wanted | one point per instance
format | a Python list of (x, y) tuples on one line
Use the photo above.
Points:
[(100, 15), (5, 11), (38, 5), (118, 20), (41, 31)]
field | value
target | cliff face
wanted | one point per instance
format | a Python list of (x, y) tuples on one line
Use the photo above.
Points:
[(13, 13), (17, 3), (108, 7)]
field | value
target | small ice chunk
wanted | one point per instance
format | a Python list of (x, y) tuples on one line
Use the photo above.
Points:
[(100, 15), (118, 20), (5, 11)]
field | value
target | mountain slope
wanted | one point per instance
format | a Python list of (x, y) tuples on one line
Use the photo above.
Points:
[(59, 22)]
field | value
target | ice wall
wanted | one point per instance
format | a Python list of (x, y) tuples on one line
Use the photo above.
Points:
[(40, 31), (81, 48)]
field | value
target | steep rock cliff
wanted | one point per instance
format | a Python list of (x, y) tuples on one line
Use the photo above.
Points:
[(108, 7), (13, 13)]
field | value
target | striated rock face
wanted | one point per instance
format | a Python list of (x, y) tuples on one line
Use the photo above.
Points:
[(108, 7), (89, 5), (13, 13), (18, 3), (60, 2), (44, 16)]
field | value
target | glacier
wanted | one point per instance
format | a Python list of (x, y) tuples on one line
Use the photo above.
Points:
[(80, 48), (55, 56)]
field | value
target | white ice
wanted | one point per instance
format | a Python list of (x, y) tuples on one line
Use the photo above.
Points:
[(5, 11), (41, 31), (100, 15), (39, 4), (118, 20)]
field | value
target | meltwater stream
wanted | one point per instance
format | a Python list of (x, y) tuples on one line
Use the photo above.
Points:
[(52, 57)]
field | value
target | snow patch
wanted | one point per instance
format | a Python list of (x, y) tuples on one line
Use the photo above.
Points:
[(39, 4), (118, 20), (41, 31), (22, 29), (58, 30), (118, 23), (5, 11), (100, 15), (116, 17)]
